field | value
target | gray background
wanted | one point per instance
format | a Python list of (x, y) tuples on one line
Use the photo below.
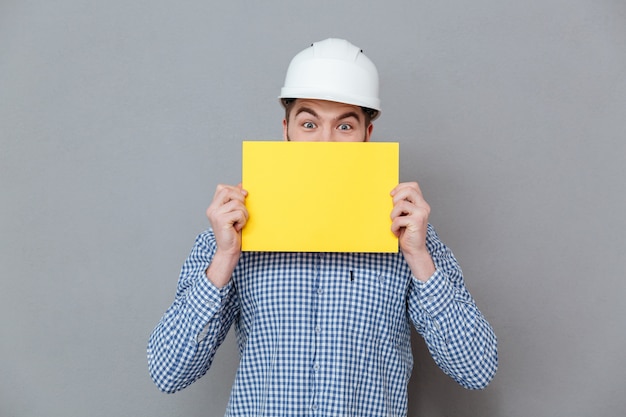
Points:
[(119, 118)]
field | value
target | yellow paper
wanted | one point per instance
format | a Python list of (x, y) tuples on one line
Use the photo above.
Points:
[(319, 196)]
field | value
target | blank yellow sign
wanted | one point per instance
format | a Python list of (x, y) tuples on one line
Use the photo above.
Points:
[(319, 196)]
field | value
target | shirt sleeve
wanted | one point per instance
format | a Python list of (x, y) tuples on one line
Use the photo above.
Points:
[(182, 346), (459, 338)]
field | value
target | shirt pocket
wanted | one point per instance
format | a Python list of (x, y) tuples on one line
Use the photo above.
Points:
[(376, 306)]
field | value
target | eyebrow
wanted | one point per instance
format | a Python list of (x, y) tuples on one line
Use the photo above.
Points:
[(306, 110), (348, 115), (340, 117)]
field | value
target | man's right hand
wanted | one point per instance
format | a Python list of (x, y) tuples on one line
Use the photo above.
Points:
[(228, 216)]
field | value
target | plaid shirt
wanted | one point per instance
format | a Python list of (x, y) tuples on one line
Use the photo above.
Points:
[(321, 333)]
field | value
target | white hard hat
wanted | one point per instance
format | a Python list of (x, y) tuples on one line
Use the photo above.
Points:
[(333, 70)]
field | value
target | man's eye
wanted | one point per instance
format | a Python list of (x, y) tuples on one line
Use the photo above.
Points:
[(308, 125), (344, 126)]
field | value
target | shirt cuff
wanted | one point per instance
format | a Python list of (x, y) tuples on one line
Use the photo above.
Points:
[(436, 294), (206, 299)]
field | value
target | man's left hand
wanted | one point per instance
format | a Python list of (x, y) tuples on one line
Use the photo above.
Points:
[(410, 225)]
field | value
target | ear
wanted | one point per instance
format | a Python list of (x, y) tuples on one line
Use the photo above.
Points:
[(368, 132), (285, 135)]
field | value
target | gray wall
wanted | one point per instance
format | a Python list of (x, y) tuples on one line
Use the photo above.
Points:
[(118, 119)]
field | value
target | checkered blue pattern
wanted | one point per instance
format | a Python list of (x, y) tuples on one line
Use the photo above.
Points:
[(323, 334)]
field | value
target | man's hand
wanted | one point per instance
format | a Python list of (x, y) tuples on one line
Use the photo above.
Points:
[(410, 225), (228, 216)]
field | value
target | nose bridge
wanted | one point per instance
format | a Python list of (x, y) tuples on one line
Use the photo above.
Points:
[(327, 133)]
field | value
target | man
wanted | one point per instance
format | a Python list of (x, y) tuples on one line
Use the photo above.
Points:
[(322, 333)]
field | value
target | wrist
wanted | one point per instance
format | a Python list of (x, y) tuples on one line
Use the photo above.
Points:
[(221, 268), (421, 264)]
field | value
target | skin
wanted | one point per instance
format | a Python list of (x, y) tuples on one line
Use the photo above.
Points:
[(319, 120)]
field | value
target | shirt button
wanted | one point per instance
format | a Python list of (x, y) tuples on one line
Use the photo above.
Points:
[(318, 329), (320, 291), (314, 407), (316, 367)]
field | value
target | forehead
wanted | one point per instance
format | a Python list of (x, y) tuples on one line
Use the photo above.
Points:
[(324, 108)]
